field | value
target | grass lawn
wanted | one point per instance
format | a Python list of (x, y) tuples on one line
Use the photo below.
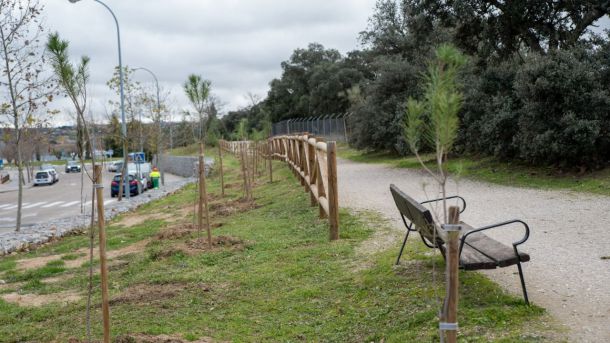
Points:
[(277, 279), (490, 170)]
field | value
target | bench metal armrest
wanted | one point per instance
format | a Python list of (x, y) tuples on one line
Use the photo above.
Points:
[(519, 242), (447, 198)]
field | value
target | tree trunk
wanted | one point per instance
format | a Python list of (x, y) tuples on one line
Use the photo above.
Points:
[(20, 191)]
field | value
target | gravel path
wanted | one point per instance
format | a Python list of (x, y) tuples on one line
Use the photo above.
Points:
[(570, 233)]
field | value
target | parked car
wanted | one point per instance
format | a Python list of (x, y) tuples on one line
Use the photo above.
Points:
[(73, 167), (115, 166), (44, 177), (135, 185), (54, 173), (51, 169)]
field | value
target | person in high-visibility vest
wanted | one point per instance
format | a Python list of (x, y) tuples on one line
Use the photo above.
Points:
[(155, 175)]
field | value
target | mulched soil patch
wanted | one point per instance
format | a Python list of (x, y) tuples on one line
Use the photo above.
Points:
[(233, 185), (232, 207), (181, 230), (142, 338), (147, 293), (217, 242)]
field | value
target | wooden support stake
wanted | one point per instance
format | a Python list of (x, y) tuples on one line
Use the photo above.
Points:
[(333, 191), (203, 198), (453, 258), (222, 178), (99, 192), (252, 164)]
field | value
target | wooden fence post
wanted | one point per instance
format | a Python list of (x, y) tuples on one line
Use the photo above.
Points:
[(333, 196), (270, 147), (303, 172), (252, 163), (313, 162), (311, 156), (99, 193), (255, 159), (449, 319)]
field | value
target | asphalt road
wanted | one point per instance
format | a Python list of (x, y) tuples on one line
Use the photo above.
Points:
[(44, 203)]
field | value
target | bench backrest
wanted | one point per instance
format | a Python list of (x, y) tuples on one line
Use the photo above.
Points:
[(417, 214)]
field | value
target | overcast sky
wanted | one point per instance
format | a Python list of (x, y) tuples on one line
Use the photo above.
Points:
[(238, 45)]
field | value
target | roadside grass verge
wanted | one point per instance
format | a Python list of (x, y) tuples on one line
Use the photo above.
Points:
[(282, 281), (490, 170)]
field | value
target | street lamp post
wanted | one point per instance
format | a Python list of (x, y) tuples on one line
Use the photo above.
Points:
[(123, 123), (159, 152)]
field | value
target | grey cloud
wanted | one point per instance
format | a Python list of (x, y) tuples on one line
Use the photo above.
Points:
[(238, 45)]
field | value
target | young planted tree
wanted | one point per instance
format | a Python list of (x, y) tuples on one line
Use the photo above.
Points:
[(24, 91), (197, 90), (73, 81), (433, 121)]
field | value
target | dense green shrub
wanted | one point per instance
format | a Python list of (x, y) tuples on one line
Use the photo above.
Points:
[(544, 109), (490, 115), (566, 109), (377, 117)]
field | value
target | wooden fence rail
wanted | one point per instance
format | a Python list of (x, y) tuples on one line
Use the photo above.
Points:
[(312, 160)]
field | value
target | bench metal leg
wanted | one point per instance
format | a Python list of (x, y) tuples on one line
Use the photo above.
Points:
[(404, 242), (523, 283)]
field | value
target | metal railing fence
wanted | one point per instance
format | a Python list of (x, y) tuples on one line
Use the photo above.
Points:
[(331, 127)]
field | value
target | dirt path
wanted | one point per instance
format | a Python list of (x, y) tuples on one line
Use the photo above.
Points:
[(569, 273)]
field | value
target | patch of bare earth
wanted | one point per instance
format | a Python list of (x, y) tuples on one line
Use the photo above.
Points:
[(197, 246), (36, 262), (41, 261), (12, 285), (56, 279), (146, 293), (35, 300), (228, 208), (134, 219), (218, 242), (181, 230), (142, 338), (233, 185)]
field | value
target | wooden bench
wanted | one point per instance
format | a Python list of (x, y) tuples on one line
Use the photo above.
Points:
[(477, 250)]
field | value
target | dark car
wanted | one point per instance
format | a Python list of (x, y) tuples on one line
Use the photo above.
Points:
[(135, 187), (72, 167)]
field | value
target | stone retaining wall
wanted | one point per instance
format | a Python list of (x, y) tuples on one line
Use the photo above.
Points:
[(185, 166)]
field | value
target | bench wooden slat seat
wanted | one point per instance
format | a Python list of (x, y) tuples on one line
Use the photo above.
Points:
[(477, 250), (482, 252)]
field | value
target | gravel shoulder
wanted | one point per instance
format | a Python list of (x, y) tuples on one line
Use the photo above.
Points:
[(569, 271)]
